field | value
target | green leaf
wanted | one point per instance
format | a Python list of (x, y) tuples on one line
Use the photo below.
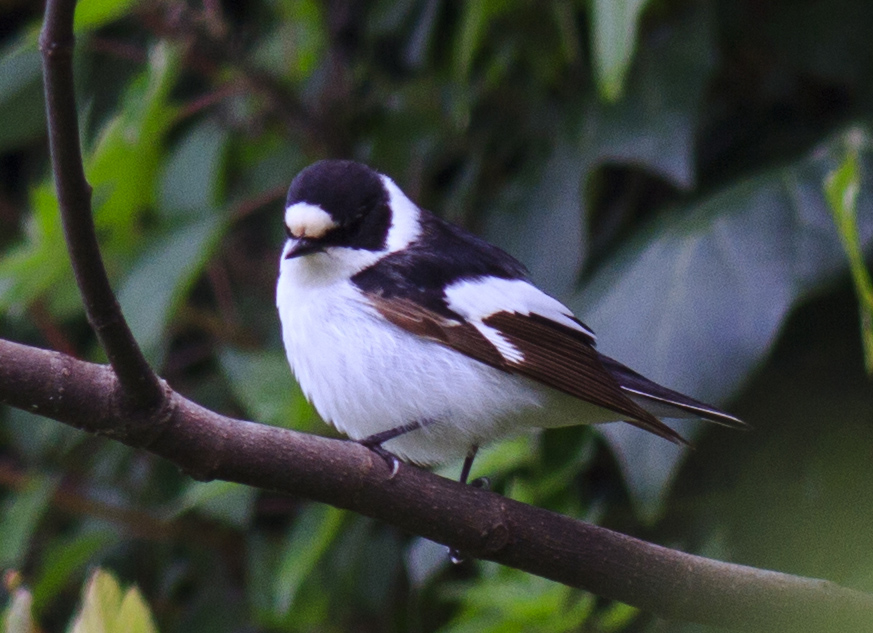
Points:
[(841, 188), (38, 438), (105, 610), (266, 166), (696, 300), (193, 174), (20, 67), (616, 617), (653, 128), (648, 464), (39, 263), (421, 33), (62, 559), (134, 615), (260, 569), (495, 459), (225, 501), (654, 125), (122, 169), (22, 107), (474, 23), (298, 42), (789, 498), (614, 25), (21, 513), (101, 600), (162, 277), (264, 386), (313, 532), (91, 14), (124, 164), (510, 601)]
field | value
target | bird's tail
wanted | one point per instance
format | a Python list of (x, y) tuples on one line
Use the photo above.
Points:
[(662, 402)]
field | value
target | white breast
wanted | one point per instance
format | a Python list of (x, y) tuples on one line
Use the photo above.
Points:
[(365, 375)]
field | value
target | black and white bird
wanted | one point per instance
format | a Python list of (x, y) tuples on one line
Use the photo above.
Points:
[(422, 341)]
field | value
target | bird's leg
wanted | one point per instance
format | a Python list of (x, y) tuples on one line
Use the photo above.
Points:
[(374, 443), (479, 482), (468, 464)]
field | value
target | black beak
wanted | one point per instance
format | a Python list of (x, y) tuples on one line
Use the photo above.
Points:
[(303, 246)]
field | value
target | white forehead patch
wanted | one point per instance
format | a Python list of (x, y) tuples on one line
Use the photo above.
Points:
[(308, 220)]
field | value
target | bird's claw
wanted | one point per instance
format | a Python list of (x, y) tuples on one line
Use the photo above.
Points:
[(483, 483), (456, 556), (392, 461)]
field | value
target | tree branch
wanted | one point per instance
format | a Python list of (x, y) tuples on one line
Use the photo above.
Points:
[(207, 445), (56, 42)]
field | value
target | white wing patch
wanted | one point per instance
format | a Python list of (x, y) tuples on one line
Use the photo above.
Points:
[(477, 299), (405, 222), (308, 220), (509, 351)]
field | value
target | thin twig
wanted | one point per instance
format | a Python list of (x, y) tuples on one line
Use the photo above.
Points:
[(139, 382), (209, 99), (249, 206)]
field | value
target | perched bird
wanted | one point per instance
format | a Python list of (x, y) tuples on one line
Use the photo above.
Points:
[(422, 341)]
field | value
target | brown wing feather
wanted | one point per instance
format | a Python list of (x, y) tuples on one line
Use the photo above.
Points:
[(554, 355), (559, 357), (460, 336)]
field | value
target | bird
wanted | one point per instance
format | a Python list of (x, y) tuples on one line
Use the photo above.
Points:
[(423, 342)]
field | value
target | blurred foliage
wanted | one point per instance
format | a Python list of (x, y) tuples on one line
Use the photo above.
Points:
[(693, 178), (104, 608), (842, 187)]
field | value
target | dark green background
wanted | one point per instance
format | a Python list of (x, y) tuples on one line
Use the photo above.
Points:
[(674, 200)]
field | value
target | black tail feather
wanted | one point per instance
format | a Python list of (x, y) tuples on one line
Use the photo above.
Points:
[(664, 402)]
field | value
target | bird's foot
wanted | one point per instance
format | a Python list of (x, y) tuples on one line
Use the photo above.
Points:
[(376, 446), (374, 443)]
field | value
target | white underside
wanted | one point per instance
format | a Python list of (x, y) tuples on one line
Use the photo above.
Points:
[(365, 375)]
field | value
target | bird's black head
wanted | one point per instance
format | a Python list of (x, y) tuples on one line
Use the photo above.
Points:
[(337, 203)]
